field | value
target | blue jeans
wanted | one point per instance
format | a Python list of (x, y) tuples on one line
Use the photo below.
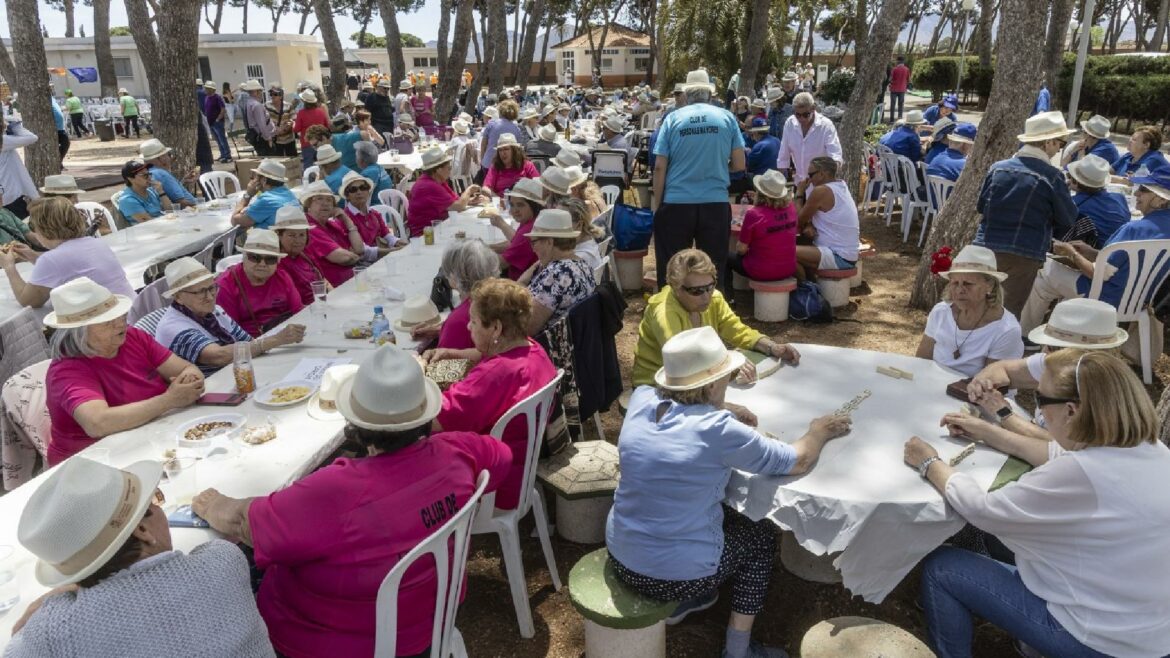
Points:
[(897, 100), (308, 156), (217, 129), (957, 584)]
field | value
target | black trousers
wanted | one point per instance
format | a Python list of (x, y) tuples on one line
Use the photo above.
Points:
[(18, 208), (78, 121), (132, 121), (705, 226), (62, 144)]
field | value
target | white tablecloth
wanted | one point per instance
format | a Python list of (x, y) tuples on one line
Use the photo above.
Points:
[(302, 441), (406, 163), (860, 497)]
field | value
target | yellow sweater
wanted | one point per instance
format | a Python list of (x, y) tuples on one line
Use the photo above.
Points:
[(665, 317)]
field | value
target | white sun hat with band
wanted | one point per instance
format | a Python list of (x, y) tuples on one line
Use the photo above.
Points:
[(389, 393), (974, 259), (1088, 324), (1043, 127), (82, 515), (416, 312), (290, 218), (528, 189), (183, 273), (82, 302), (323, 404), (263, 242), (695, 358)]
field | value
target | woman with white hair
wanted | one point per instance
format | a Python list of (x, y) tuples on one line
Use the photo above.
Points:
[(368, 167), (465, 264)]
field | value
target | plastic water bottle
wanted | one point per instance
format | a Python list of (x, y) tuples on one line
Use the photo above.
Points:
[(380, 325)]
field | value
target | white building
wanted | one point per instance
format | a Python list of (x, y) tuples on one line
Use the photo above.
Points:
[(625, 56)]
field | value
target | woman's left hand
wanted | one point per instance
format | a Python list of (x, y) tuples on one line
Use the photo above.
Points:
[(991, 401), (743, 414), (1063, 249), (786, 352), (747, 373), (917, 451), (191, 373)]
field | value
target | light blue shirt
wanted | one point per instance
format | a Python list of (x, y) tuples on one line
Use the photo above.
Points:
[(343, 144), (58, 116), (130, 204), (948, 165), (334, 179), (667, 516), (262, 209), (171, 185), (382, 180), (698, 140)]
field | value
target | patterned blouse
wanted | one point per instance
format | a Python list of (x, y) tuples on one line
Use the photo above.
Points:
[(561, 284)]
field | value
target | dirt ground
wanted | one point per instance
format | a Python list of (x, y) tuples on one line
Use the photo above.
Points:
[(877, 319)]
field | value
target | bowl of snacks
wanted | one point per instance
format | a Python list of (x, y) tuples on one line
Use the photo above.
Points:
[(198, 433), (285, 394), (258, 433), (357, 330)]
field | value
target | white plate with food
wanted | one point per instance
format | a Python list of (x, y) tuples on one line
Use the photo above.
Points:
[(285, 394), (198, 433)]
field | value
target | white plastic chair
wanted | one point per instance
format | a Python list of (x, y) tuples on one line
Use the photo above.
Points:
[(611, 193), (149, 299), (227, 261), (448, 547), (599, 271), (938, 190), (311, 174), (1149, 263), (648, 119), (907, 190), (535, 409), (93, 210), (215, 184), (394, 220), (396, 200), (460, 183)]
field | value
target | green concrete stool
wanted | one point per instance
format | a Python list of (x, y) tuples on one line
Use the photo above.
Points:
[(860, 637), (619, 622)]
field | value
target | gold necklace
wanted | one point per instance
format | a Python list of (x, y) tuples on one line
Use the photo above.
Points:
[(959, 350)]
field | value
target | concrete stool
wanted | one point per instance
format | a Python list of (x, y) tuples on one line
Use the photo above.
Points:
[(805, 564), (860, 637), (772, 299), (740, 282), (834, 285), (650, 281), (864, 250), (623, 401), (619, 622), (629, 267), (584, 476)]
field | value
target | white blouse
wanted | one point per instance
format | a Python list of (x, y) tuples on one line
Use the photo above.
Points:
[(996, 341), (1091, 534)]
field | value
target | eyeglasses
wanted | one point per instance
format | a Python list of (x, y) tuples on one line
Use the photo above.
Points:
[(142, 174), (1045, 401), (202, 292), (699, 291), (267, 260), (803, 115), (357, 188)]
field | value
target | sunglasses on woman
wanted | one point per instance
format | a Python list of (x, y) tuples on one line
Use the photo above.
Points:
[(357, 188), (698, 291), (1045, 401), (267, 260)]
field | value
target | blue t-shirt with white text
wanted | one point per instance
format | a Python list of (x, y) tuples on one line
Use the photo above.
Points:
[(697, 140)]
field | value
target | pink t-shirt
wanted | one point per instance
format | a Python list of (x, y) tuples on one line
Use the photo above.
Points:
[(429, 201), (131, 376), (519, 254), (455, 334), (303, 272), (323, 242), (422, 105), (370, 225), (499, 180), (770, 234), (899, 78), (488, 391), (255, 307), (309, 117), (327, 541)]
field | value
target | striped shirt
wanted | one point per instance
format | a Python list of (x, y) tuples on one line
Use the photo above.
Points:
[(186, 338)]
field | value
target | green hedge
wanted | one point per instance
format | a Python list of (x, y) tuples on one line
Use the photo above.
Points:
[(938, 75)]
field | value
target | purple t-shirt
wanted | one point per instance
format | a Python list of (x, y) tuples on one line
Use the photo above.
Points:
[(492, 132), (212, 106), (81, 257)]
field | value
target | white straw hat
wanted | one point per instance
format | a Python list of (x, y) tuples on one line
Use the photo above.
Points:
[(323, 404), (434, 156), (528, 113), (492, 112), (264, 242), (291, 218), (82, 515), (508, 140), (974, 259), (308, 96), (553, 223), (326, 154), (567, 158), (1097, 126), (772, 183), (913, 118), (547, 133), (942, 124), (789, 77), (389, 392), (1085, 323), (208, 84), (695, 358), (183, 273), (562, 180), (405, 84), (271, 169), (1090, 171), (461, 127), (152, 148), (417, 311), (528, 189), (354, 177), (405, 120), (698, 80), (252, 85), (60, 184), (82, 302), (1043, 127), (317, 188), (615, 124)]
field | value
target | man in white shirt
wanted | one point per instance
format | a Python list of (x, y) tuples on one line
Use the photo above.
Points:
[(807, 135), (15, 183)]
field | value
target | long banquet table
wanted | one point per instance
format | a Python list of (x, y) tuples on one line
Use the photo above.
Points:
[(302, 441), (859, 499)]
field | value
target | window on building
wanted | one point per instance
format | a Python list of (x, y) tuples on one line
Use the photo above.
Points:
[(205, 68), (609, 51), (123, 68), (434, 62), (567, 61), (255, 72), (641, 64), (420, 62), (606, 63), (639, 51)]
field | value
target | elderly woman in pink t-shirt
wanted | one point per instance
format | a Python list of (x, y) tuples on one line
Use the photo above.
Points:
[(326, 542), (254, 292), (431, 196), (508, 166), (526, 200), (333, 252), (106, 377), (292, 229), (509, 366), (766, 247), (465, 264)]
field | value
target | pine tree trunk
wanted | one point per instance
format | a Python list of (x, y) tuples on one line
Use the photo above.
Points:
[(754, 48), (1054, 45), (393, 40), (859, 16), (444, 34), (544, 54), (986, 22), (532, 30), (7, 68), (451, 69), (32, 85), (336, 89), (67, 6), (245, 26), (213, 23), (304, 19), (1160, 25), (514, 53), (101, 47), (171, 60), (879, 46), (652, 25), (497, 43), (1017, 71), (799, 38), (477, 81)]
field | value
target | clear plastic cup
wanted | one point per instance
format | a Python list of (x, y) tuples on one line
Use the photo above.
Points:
[(181, 480)]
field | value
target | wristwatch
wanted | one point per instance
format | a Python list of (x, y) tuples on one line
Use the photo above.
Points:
[(925, 465), (1004, 413)]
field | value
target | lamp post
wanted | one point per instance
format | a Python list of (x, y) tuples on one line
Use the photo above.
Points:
[(968, 7), (1082, 54)]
